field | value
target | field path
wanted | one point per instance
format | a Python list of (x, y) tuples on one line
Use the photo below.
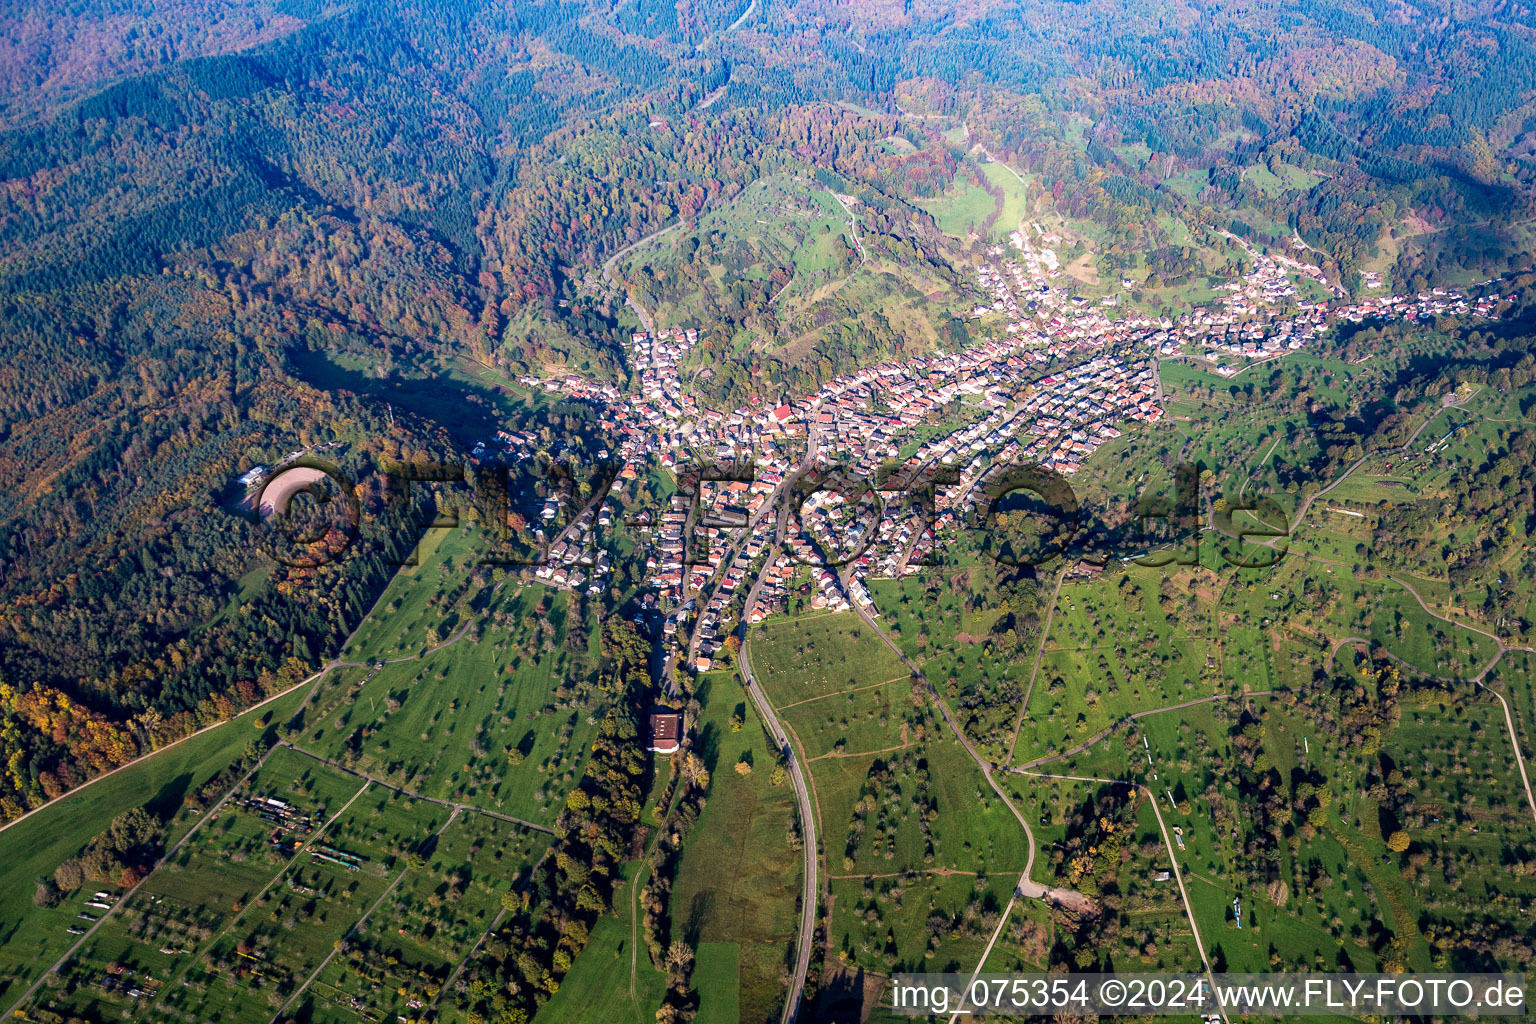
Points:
[(455, 805), (1128, 719), (313, 677), (1027, 886), (733, 26), (1173, 859), (208, 944), (1514, 741), (853, 227), (1045, 633)]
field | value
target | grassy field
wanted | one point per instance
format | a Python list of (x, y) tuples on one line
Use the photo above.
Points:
[(426, 602), (733, 898), (1015, 197), (602, 986), (787, 245), (925, 614), (717, 978), (1122, 643), (1185, 758), (1321, 599), (916, 921), (966, 208), (233, 925), (479, 723), (894, 791), (819, 655), (443, 904)]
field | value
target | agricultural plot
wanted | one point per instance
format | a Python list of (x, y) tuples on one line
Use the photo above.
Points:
[(1454, 794), (1329, 601), (1015, 196), (819, 655), (788, 255), (927, 612), (1303, 897), (274, 948), (775, 222), (1515, 677), (425, 603), (923, 807), (1385, 857), (874, 718), (150, 949), (916, 921), (482, 721), (1119, 644), (1103, 840), (1126, 468), (983, 689), (914, 800), (400, 959), (1129, 873), (1024, 947), (1337, 535)]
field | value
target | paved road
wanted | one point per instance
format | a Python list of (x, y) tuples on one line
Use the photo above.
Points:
[(608, 265), (811, 889)]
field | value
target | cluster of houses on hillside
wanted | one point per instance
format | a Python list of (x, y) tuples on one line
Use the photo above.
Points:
[(1257, 316), (955, 420), (986, 407)]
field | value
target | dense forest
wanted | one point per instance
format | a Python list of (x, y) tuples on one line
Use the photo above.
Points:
[(193, 201)]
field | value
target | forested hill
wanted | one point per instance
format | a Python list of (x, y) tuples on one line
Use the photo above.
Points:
[(190, 195)]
